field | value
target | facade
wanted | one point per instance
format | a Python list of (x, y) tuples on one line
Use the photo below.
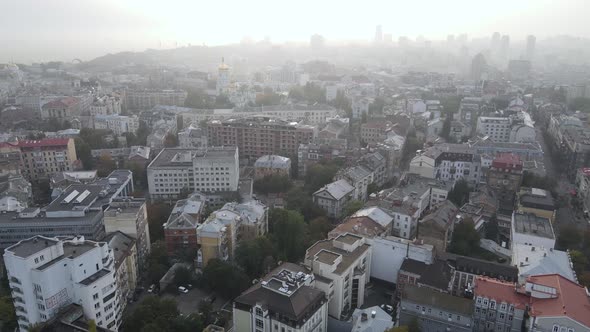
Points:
[(286, 299), (126, 267), (583, 187), (272, 165), (46, 274), (343, 264), (496, 128), (375, 131), (436, 275), (259, 136), (180, 230), (253, 218), (505, 177), (118, 124), (423, 165), (498, 306), (435, 311), (333, 197), (467, 269), (536, 201), (436, 228), (313, 114), (41, 158), (145, 99), (129, 216), (15, 193), (218, 236), (529, 229), (192, 138), (359, 177), (176, 170), (62, 109)]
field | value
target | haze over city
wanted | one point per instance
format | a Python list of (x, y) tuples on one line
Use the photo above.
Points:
[(59, 29)]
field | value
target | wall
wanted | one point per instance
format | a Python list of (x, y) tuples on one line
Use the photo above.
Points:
[(389, 254)]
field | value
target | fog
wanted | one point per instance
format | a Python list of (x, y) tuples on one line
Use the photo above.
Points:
[(32, 30)]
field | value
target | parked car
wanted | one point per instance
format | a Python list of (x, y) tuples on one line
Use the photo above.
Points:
[(182, 289), (152, 288)]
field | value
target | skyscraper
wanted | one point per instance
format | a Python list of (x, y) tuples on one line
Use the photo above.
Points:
[(504, 47), (530, 47), (378, 35), (495, 44)]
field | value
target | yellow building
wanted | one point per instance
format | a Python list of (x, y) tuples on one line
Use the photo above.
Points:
[(41, 158), (536, 201)]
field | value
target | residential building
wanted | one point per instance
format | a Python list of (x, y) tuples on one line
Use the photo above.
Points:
[(505, 177), (15, 193), (129, 216), (359, 177), (286, 299), (496, 128), (272, 165), (174, 170), (41, 158), (311, 154), (435, 311), (525, 151), (137, 155), (118, 124), (253, 218), (341, 266), (583, 187), (423, 164), (499, 306), (217, 237), (575, 150), (529, 229), (159, 135), (259, 136), (192, 138), (376, 163), (534, 260), (371, 319), (557, 304), (126, 266), (436, 228), (310, 114), (360, 105), (144, 99), (375, 131), (62, 109), (456, 161), (436, 275), (105, 105), (333, 197), (46, 274), (62, 180), (180, 230), (536, 201), (468, 268)]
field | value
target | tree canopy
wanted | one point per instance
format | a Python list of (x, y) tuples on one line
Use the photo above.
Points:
[(255, 256), (275, 183), (225, 278), (459, 195), (465, 239), (351, 207), (160, 315), (288, 231)]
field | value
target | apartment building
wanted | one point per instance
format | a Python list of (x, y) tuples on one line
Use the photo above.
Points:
[(375, 131), (217, 237), (286, 299), (359, 177), (530, 229), (41, 158), (498, 306), (467, 269), (343, 264), (192, 138), (272, 165), (497, 128), (180, 230), (118, 124), (174, 170), (536, 201), (126, 267), (312, 114), (46, 274), (333, 197), (505, 177), (253, 218), (435, 311), (144, 99), (129, 216), (258, 136), (62, 109)]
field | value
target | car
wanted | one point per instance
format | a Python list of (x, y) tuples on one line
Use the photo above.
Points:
[(182, 289), (189, 286), (152, 288)]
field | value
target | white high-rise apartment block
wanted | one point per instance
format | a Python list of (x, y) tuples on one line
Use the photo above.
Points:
[(47, 274), (212, 170), (119, 124), (497, 128)]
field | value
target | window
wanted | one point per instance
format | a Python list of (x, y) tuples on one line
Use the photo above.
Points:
[(258, 312), (501, 316), (97, 305), (98, 315), (40, 306), (95, 296), (259, 323), (555, 328)]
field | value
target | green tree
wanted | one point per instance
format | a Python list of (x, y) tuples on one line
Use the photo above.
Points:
[(372, 188), (157, 262), (414, 326), (569, 238), (170, 141), (105, 165), (492, 230), (159, 314), (183, 276), (83, 152), (398, 329), (288, 234), (299, 200), (351, 207), (275, 183), (254, 255), (580, 104), (319, 175), (224, 278), (91, 326), (459, 195), (465, 239), (318, 229), (579, 261), (411, 145), (376, 107), (7, 314)]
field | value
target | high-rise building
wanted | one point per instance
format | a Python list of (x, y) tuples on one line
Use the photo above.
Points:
[(495, 44), (478, 67), (378, 35), (504, 47), (530, 47), (41, 158), (46, 274)]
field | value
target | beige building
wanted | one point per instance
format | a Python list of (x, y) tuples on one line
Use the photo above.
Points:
[(342, 268), (41, 158), (125, 252), (217, 237), (272, 165)]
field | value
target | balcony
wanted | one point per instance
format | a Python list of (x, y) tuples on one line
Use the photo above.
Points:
[(17, 290)]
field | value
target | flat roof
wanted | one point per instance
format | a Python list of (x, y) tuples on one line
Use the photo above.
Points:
[(433, 298), (528, 223), (95, 277), (28, 247), (326, 257), (176, 157)]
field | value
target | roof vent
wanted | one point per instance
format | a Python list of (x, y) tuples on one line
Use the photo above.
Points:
[(373, 314)]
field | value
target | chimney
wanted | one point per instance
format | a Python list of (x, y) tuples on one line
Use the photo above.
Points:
[(364, 317), (373, 314)]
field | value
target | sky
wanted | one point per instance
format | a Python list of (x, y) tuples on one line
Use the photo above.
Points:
[(41, 30)]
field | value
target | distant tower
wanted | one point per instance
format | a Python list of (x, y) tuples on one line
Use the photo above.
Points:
[(530, 47), (504, 46), (222, 78), (378, 35), (495, 44), (478, 67)]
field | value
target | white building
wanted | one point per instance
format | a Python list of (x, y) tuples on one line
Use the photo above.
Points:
[(119, 124), (533, 260), (286, 299), (497, 128), (388, 254), (343, 264), (46, 274), (333, 197), (423, 165), (192, 138), (529, 229), (213, 170), (360, 106)]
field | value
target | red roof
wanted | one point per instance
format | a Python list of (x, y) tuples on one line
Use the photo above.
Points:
[(571, 301), (44, 142), (501, 291), (507, 160), (61, 103)]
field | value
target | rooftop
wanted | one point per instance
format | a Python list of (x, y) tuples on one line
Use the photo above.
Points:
[(427, 296), (348, 258), (501, 291), (373, 319), (47, 142), (528, 223), (535, 260), (28, 247), (273, 161), (486, 268), (437, 274), (175, 157), (337, 189), (90, 280)]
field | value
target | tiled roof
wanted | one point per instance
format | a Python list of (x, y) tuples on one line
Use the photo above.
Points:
[(501, 291)]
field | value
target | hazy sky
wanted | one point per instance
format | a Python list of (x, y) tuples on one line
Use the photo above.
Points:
[(38, 30)]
